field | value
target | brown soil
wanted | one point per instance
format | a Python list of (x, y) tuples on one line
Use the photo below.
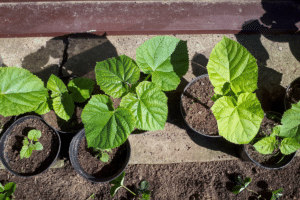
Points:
[(92, 165), (73, 124), (39, 160), (265, 130), (293, 94), (196, 103), (190, 181), (5, 122)]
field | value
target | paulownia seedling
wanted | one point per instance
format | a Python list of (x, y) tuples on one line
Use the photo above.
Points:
[(7, 191), (31, 143), (141, 190), (102, 154), (288, 132), (242, 184)]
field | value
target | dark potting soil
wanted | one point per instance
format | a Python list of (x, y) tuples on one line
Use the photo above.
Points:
[(4, 122), (293, 93), (196, 103), (73, 124), (181, 181), (39, 160), (268, 159), (94, 166)]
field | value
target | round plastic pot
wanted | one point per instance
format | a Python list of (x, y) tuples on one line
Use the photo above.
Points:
[(73, 153), (244, 155), (182, 111), (3, 140), (286, 100)]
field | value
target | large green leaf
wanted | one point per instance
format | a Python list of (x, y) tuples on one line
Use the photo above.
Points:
[(230, 65), (265, 145), (64, 106), (81, 89), (115, 75), (166, 58), (290, 122), (149, 106), (56, 85), (20, 91), (44, 107), (238, 120), (289, 145), (106, 128)]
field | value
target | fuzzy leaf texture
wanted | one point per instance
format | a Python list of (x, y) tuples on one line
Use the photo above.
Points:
[(44, 107), (34, 135), (81, 89), (231, 65), (265, 145), (166, 58), (56, 85), (149, 106), (238, 120), (64, 106), (20, 91), (289, 145), (290, 122), (116, 74), (105, 127)]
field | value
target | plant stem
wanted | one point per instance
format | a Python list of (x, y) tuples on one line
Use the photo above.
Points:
[(259, 196), (129, 190), (147, 77), (92, 196)]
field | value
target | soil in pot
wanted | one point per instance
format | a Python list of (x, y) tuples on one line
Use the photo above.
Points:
[(196, 103), (265, 130), (39, 160), (92, 165), (73, 124), (293, 93)]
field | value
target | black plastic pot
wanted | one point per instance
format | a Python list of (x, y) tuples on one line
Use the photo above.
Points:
[(3, 140), (182, 111), (287, 103), (244, 155), (73, 153)]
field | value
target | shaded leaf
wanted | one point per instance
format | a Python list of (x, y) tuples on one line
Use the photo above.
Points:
[(81, 89), (64, 106)]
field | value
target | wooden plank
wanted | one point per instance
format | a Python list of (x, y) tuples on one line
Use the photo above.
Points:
[(53, 18)]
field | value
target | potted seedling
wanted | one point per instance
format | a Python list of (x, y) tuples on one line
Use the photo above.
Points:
[(233, 73), (67, 103), (280, 144), (143, 103)]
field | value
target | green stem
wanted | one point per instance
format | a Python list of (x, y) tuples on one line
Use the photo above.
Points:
[(129, 190), (147, 77), (259, 196)]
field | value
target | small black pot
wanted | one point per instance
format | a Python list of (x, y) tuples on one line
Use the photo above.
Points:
[(3, 140), (287, 103), (182, 111), (73, 153), (244, 155)]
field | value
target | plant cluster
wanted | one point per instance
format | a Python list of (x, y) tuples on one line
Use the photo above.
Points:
[(143, 105), (286, 137), (7, 190), (142, 190), (242, 184), (233, 72), (31, 143)]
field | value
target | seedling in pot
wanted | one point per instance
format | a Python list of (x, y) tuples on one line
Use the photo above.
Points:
[(141, 190), (7, 191), (233, 72), (286, 137), (31, 143), (243, 184), (102, 154), (143, 104)]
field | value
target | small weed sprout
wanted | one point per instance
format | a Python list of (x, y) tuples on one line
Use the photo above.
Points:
[(102, 154), (31, 143), (7, 190)]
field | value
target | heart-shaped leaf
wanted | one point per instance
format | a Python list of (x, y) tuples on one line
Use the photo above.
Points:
[(64, 106), (81, 89), (290, 122), (34, 134), (289, 145), (56, 85), (265, 145)]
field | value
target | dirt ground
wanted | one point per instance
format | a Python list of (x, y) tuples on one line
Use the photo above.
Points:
[(192, 181)]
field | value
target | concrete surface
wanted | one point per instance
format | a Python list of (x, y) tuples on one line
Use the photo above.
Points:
[(278, 58)]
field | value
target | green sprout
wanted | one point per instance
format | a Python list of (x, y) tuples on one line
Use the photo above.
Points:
[(102, 154), (31, 143), (7, 190)]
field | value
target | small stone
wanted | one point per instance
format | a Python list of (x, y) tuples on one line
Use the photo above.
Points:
[(280, 48)]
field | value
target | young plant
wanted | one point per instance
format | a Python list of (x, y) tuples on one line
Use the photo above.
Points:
[(141, 190), (20, 91), (233, 72), (31, 143), (102, 154), (7, 190), (143, 104), (63, 98), (242, 184), (288, 133)]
